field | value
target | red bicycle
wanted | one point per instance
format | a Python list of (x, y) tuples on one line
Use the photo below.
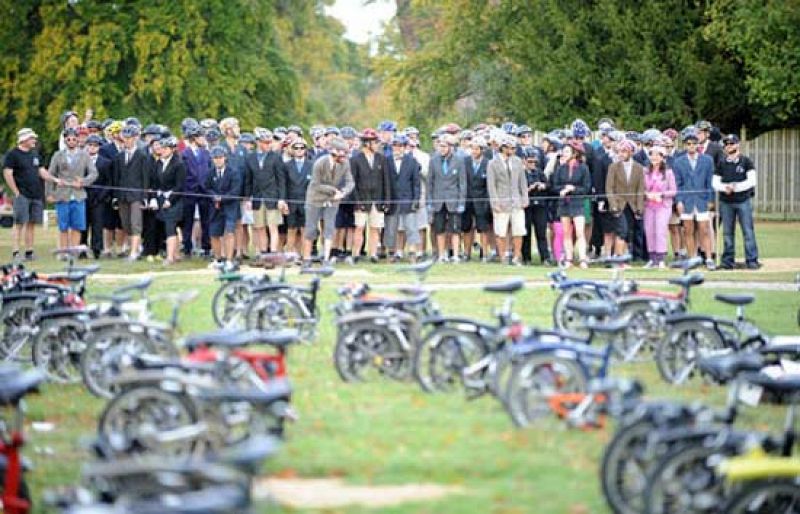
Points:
[(14, 385)]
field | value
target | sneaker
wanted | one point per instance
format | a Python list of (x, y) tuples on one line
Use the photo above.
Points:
[(134, 258), (349, 260), (516, 262), (650, 264), (455, 259), (662, 265), (584, 265), (30, 256), (753, 265), (710, 266), (442, 259), (374, 259)]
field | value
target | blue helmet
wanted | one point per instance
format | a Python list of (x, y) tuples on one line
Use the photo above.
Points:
[(387, 126), (580, 128), (523, 129), (400, 139), (650, 135), (332, 130), (296, 129), (509, 127), (348, 132), (632, 135), (689, 132), (247, 138)]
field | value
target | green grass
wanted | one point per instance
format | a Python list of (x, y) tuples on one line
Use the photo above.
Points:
[(392, 433)]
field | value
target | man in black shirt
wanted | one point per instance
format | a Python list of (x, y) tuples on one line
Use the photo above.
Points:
[(735, 180), (24, 171)]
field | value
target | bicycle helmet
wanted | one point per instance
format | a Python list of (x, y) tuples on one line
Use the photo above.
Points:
[(580, 128), (387, 126), (348, 132), (522, 130), (509, 127)]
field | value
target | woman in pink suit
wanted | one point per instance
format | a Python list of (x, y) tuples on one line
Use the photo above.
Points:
[(659, 191)]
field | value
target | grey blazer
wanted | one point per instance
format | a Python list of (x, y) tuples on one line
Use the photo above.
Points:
[(450, 189), (507, 191), (82, 167), (326, 179)]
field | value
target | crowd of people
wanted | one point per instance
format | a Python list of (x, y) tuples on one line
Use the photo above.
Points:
[(484, 193)]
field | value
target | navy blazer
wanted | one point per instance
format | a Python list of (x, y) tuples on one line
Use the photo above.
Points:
[(694, 186), (197, 169), (133, 177), (477, 190), (229, 185), (404, 184), (172, 180), (265, 180), (96, 194), (297, 182)]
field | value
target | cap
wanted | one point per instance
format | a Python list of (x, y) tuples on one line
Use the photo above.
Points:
[(247, 138), (25, 134), (70, 132), (349, 133), (332, 130), (94, 139), (130, 131), (262, 134), (387, 126), (400, 139), (170, 141), (731, 139), (217, 151), (337, 143), (368, 134)]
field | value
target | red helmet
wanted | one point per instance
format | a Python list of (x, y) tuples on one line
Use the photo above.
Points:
[(452, 128), (367, 134)]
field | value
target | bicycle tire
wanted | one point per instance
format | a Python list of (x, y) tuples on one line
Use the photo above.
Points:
[(752, 498), (565, 319), (17, 320), (115, 429), (543, 371), (230, 299), (276, 310), (622, 494), (677, 353), (53, 350), (450, 347), (363, 346)]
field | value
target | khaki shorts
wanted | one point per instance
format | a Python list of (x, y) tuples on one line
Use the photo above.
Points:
[(374, 217), (696, 216), (263, 217), (516, 218), (130, 216)]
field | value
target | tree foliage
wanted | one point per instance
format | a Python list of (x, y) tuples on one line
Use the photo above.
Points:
[(644, 63)]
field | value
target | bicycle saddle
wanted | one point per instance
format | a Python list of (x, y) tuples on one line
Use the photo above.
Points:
[(325, 271), (420, 267), (16, 383), (507, 286), (735, 299), (399, 303), (782, 344), (69, 276), (143, 362), (276, 390), (694, 279), (786, 384), (607, 327), (594, 308), (687, 264), (233, 338), (617, 259), (724, 368), (413, 290), (136, 286), (223, 499), (90, 269)]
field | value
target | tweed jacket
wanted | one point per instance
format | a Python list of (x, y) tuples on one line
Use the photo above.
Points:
[(622, 192), (81, 167), (326, 180), (507, 191)]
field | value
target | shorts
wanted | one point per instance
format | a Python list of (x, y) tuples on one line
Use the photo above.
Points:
[(245, 215), (446, 221), (130, 217), (422, 218), (696, 216), (223, 220), (263, 217), (71, 215), (516, 218), (607, 222), (111, 219), (296, 217), (674, 219), (345, 216), (480, 220), (313, 216), (374, 217), (28, 210)]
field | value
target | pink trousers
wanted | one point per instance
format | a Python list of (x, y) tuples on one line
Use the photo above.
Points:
[(656, 228), (558, 240)]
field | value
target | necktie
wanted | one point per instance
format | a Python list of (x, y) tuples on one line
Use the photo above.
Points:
[(508, 168), (299, 166), (127, 156), (444, 167)]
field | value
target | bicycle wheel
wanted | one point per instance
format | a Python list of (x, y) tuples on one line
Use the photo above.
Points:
[(566, 319), (136, 418), (57, 348), (366, 350), (685, 342), (105, 349), (230, 303), (18, 324), (765, 497), (440, 360), (624, 468), (645, 331), (276, 310), (537, 378), (685, 481)]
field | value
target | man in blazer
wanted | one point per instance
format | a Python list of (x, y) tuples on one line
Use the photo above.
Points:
[(372, 190), (625, 189), (71, 169), (508, 196), (478, 213), (265, 187), (98, 197), (198, 165), (404, 173), (694, 173), (297, 173), (224, 183), (447, 194), (131, 172)]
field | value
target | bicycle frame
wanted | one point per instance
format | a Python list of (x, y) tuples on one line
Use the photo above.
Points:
[(10, 444)]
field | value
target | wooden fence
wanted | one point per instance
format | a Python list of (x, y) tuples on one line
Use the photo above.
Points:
[(777, 159)]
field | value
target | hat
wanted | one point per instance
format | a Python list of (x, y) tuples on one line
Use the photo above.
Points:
[(132, 120), (348, 132), (411, 131), (193, 131), (703, 125), (387, 126), (299, 142), (130, 131), (296, 129), (94, 139), (94, 125), (400, 139), (452, 128), (332, 130), (247, 138), (523, 129), (170, 141), (152, 130), (626, 144), (730, 139), (633, 136), (114, 128), (337, 143), (25, 134), (207, 123), (368, 134), (605, 124), (217, 151), (213, 134), (66, 115), (188, 122), (262, 134), (70, 132), (466, 134), (617, 135), (689, 134), (508, 141), (671, 133), (450, 139), (228, 122), (478, 141), (580, 128)]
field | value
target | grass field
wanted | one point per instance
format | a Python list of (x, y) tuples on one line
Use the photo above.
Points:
[(392, 433)]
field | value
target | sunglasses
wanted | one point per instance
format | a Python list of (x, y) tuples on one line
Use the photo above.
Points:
[(298, 147), (731, 144), (71, 138)]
